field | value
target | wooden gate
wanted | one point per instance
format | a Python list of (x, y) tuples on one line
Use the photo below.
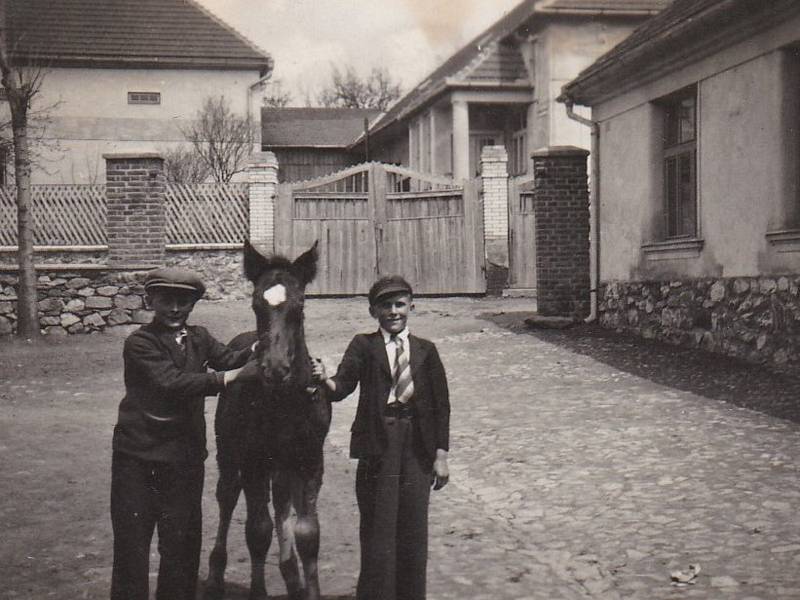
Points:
[(374, 219), (522, 236)]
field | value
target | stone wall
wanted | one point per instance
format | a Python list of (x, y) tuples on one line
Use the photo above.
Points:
[(78, 301), (222, 271), (754, 318)]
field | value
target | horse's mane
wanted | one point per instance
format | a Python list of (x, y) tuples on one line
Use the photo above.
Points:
[(277, 261)]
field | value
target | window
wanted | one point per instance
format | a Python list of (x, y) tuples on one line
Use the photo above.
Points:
[(144, 98), (518, 146), (680, 165)]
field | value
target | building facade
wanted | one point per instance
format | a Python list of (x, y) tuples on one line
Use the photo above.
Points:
[(126, 77), (500, 89), (699, 162)]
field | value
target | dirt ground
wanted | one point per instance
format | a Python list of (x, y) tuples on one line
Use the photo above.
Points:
[(58, 403)]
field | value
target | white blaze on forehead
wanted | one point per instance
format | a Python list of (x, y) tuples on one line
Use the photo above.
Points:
[(275, 295)]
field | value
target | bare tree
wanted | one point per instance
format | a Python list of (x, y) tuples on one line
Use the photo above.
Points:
[(184, 165), (276, 95), (22, 84), (349, 90), (221, 138)]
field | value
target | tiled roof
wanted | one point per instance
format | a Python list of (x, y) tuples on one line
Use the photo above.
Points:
[(167, 33), (313, 127), (516, 18), (667, 35), (502, 62)]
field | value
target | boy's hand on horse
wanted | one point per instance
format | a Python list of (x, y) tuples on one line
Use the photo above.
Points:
[(249, 372), (318, 372)]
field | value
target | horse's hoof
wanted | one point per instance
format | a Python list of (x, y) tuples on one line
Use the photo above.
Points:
[(257, 595), (213, 592)]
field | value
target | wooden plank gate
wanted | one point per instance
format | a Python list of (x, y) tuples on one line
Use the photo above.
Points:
[(374, 219), (522, 234)]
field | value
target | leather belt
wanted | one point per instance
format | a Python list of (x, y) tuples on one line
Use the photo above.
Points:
[(399, 410)]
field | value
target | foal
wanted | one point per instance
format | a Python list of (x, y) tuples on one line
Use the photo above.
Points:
[(270, 434)]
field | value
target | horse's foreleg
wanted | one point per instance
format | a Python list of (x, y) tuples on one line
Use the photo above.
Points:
[(258, 527), (306, 530), (228, 488), (282, 501)]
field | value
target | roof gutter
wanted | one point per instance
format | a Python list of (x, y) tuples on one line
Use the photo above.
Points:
[(594, 205), (262, 81), (598, 12)]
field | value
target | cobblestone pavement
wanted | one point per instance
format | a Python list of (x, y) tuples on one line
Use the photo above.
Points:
[(571, 478), (574, 479)]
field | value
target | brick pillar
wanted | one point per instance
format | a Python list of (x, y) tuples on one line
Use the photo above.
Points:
[(136, 222), (494, 172), (561, 205), (262, 175)]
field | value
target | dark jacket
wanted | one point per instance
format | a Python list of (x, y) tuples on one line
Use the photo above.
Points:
[(161, 417), (365, 362)]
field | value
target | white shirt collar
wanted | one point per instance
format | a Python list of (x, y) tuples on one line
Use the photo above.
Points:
[(387, 337)]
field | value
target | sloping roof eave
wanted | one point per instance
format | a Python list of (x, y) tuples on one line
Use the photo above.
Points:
[(263, 66), (667, 49)]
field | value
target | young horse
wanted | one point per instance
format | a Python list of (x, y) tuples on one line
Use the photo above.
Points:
[(271, 432)]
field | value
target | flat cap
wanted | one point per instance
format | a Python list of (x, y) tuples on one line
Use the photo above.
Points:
[(391, 284), (175, 278)]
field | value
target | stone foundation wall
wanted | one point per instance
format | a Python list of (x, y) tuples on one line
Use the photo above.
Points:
[(60, 257), (78, 301), (222, 271), (754, 318), (83, 300)]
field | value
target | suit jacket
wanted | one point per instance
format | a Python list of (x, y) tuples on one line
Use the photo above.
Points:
[(365, 362), (161, 417)]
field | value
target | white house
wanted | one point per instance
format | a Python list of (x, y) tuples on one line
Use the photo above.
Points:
[(698, 124), (126, 76), (500, 89)]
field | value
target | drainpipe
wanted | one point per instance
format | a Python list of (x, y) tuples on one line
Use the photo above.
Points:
[(250, 89), (594, 205)]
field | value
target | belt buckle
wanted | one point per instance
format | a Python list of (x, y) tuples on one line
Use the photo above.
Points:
[(398, 410)]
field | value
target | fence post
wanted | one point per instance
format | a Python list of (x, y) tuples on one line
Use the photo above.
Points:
[(494, 171), (262, 177), (136, 220), (561, 207)]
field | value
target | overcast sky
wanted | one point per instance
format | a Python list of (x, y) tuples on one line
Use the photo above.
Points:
[(409, 37)]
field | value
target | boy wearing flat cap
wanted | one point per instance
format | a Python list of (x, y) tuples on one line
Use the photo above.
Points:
[(159, 442), (400, 437)]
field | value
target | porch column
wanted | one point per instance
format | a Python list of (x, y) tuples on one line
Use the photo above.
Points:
[(136, 216), (262, 177), (561, 205), (461, 140), (494, 172)]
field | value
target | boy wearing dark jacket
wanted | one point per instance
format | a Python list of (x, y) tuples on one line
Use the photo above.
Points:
[(159, 442), (400, 437)]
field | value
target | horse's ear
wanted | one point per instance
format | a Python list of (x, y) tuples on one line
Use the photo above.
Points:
[(254, 262), (305, 266)]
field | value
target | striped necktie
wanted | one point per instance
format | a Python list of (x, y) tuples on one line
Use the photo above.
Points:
[(403, 384)]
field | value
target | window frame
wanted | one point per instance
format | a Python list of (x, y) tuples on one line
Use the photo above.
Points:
[(679, 198), (141, 98)]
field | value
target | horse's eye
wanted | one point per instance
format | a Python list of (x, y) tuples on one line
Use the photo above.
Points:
[(275, 295)]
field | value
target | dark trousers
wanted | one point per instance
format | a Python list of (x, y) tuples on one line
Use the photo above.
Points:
[(146, 495), (393, 494)]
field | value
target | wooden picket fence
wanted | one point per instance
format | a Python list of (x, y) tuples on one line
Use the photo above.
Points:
[(68, 216), (207, 213), (375, 219), (63, 215)]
